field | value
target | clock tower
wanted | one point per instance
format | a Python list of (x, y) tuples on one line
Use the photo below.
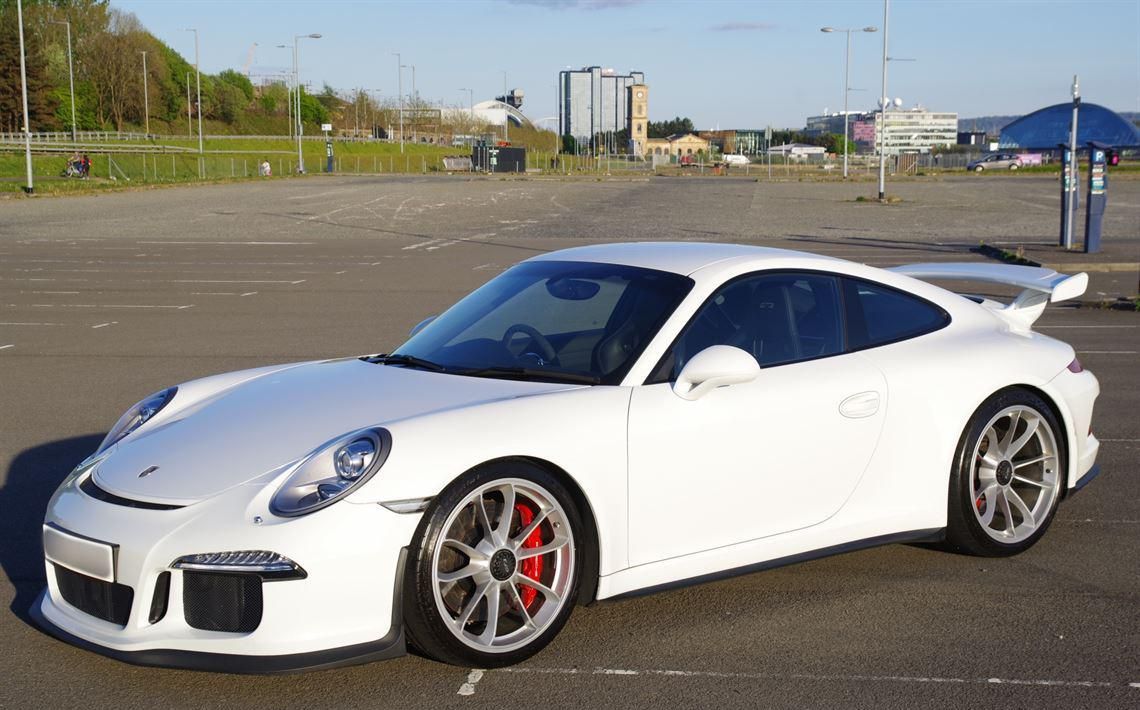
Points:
[(637, 121)]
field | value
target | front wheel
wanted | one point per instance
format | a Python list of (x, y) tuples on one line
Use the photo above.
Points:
[(1007, 478), (1014, 166), (978, 168), (496, 566)]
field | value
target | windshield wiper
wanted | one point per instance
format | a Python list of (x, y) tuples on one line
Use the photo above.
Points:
[(407, 360), (527, 373)]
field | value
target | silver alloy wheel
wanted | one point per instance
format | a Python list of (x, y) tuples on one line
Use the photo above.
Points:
[(1014, 476), (503, 567)]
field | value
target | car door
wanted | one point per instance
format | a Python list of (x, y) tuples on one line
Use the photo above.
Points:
[(746, 461)]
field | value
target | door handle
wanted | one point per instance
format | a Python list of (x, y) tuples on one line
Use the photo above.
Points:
[(858, 406)]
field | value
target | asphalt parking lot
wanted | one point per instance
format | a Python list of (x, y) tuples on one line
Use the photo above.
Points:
[(104, 299)]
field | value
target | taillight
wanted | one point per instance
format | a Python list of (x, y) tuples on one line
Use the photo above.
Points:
[(1075, 366)]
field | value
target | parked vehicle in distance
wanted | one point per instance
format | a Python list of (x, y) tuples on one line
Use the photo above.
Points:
[(736, 159), (591, 423), (995, 161)]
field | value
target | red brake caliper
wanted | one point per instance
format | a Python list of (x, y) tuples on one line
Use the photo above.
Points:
[(532, 566)]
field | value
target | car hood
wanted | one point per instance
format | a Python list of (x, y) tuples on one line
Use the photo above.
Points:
[(261, 425)]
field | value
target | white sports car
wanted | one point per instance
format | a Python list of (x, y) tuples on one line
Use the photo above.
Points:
[(592, 423)]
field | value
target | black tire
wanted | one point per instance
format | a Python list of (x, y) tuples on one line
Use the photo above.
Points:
[(978, 168), (964, 532), (1014, 166), (427, 631)]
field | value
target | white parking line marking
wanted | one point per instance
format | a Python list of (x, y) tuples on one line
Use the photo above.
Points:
[(820, 677), (421, 244), (96, 305), (249, 293), (468, 687), (11, 323), (104, 325), (234, 281), (260, 244), (5, 347)]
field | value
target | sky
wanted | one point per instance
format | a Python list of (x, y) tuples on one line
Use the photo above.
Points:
[(722, 63)]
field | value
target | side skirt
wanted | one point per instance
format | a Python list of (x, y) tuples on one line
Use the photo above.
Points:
[(911, 536)]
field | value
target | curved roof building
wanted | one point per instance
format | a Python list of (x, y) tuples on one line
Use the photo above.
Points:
[(1045, 128)]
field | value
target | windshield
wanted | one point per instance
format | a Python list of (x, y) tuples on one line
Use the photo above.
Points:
[(552, 320)]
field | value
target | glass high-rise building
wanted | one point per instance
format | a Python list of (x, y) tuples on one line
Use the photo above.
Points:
[(593, 100)]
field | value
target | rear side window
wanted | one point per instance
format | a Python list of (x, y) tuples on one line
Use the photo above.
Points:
[(877, 315)]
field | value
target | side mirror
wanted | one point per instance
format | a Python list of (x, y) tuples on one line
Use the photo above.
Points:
[(715, 366), (421, 325)]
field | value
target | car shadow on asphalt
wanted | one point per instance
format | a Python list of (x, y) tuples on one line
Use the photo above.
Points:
[(34, 475)]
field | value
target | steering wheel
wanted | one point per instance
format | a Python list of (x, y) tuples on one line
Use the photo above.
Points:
[(545, 352)]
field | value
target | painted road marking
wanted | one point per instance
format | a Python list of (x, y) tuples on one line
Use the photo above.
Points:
[(1108, 352), (819, 677), (95, 305), (235, 281), (5, 347), (1040, 327), (468, 687), (11, 323), (104, 325), (260, 244)]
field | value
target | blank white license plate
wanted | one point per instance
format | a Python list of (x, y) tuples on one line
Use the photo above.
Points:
[(79, 554)]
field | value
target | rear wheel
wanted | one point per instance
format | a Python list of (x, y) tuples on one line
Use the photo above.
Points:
[(496, 567), (1008, 476)]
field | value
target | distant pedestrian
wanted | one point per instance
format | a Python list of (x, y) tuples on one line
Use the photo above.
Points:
[(86, 170), (265, 169)]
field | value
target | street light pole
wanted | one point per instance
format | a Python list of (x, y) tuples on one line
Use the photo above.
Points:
[(506, 112), (400, 91), (30, 187), (847, 83), (146, 97), (883, 103), (297, 83), (198, 81), (70, 75)]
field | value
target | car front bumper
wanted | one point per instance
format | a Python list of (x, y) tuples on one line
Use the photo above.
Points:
[(344, 608)]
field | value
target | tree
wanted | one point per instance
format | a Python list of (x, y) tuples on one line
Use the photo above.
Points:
[(42, 100), (836, 144), (664, 129)]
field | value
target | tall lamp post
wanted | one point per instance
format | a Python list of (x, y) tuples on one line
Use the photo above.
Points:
[(198, 81), (297, 85), (400, 92), (883, 102), (146, 97), (30, 187), (506, 113), (847, 82), (70, 75)]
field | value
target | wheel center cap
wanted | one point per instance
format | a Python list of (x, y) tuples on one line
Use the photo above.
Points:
[(1004, 473), (502, 565)]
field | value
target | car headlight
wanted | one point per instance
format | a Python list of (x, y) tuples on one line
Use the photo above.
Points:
[(135, 417), (329, 473)]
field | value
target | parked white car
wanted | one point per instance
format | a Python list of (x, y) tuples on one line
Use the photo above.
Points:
[(591, 423), (734, 159)]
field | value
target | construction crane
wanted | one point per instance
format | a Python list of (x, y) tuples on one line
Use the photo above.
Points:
[(249, 60)]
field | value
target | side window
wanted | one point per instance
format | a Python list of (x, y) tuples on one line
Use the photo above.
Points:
[(877, 315), (779, 318)]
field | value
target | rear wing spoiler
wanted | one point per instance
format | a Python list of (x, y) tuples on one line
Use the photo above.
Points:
[(1039, 285)]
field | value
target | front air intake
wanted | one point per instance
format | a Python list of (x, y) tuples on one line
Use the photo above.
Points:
[(218, 601), (103, 600)]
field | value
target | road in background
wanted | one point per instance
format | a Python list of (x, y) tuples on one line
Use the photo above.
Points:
[(105, 299)]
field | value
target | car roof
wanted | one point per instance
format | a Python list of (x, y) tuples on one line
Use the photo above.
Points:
[(677, 257)]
